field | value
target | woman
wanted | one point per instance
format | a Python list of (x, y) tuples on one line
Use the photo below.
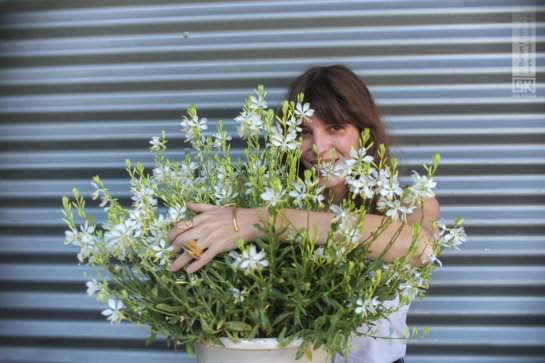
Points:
[(343, 107)]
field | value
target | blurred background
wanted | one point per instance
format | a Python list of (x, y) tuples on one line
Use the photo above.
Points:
[(85, 84)]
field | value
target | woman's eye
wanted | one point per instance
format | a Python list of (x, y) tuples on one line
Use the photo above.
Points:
[(337, 127)]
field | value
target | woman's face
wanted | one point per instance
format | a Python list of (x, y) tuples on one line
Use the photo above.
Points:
[(327, 138)]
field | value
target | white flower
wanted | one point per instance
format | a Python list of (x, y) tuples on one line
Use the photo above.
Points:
[(250, 124), (177, 213), (301, 193), (394, 209), (93, 287), (343, 168), (294, 123), (97, 193), (142, 196), (249, 260), (114, 313), (163, 174), (433, 259), (342, 216), (327, 170), (156, 143), (86, 231), (84, 239), (347, 229), (284, 143), (187, 170), (408, 290), (450, 237), (388, 186), (318, 197), (340, 213), (303, 110), (194, 280), (360, 186), (223, 192), (71, 237), (159, 226), (360, 155), (367, 307), (258, 101), (221, 138), (272, 196), (249, 188), (237, 294), (423, 186), (352, 236), (405, 211), (162, 251), (318, 253), (120, 238), (192, 128)]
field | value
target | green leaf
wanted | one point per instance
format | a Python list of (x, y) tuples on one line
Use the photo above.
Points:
[(281, 317), (318, 323), (151, 339), (169, 308), (237, 326), (207, 328), (155, 291), (265, 322)]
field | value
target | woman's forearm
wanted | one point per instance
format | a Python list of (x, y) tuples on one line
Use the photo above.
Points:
[(319, 224)]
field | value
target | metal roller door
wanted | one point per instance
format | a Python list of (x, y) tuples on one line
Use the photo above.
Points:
[(84, 84)]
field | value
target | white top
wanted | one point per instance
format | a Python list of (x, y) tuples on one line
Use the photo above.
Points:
[(370, 350)]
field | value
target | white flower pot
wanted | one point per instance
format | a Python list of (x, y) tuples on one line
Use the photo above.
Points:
[(263, 350)]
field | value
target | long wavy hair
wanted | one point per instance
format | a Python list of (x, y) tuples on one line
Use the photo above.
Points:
[(338, 96)]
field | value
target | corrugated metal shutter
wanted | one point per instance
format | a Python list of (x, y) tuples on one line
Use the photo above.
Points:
[(85, 84)]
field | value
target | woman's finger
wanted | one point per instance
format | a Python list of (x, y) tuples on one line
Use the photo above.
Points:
[(202, 261), (178, 228), (180, 241), (180, 262), (201, 207), (193, 250), (183, 226)]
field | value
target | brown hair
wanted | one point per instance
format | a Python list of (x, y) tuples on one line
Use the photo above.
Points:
[(338, 96)]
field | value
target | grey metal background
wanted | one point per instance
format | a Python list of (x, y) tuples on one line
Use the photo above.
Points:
[(84, 84)]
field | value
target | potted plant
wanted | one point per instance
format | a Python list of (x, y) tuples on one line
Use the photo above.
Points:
[(278, 291)]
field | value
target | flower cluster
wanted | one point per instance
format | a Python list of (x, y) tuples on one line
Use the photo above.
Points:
[(281, 286), (249, 260)]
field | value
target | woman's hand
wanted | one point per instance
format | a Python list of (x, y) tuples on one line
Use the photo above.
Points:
[(214, 232)]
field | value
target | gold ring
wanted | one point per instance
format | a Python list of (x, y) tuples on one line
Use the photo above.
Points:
[(193, 249)]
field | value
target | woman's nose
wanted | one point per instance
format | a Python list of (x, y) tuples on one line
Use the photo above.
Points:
[(323, 145)]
